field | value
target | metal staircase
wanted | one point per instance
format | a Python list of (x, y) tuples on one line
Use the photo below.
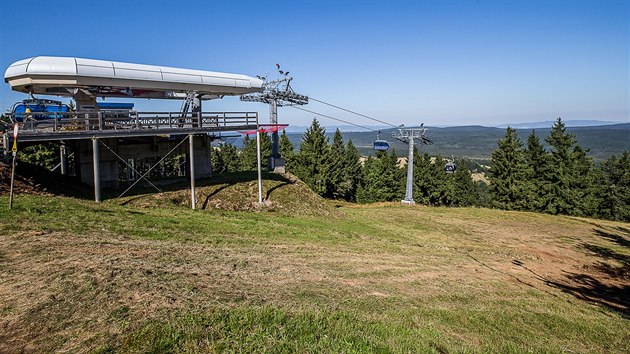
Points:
[(188, 102)]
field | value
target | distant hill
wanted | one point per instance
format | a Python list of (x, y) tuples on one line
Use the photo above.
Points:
[(477, 142), (568, 123), (527, 125)]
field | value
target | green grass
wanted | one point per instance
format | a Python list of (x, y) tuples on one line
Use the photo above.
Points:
[(381, 278)]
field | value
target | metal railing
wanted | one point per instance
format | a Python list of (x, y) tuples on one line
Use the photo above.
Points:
[(132, 121)]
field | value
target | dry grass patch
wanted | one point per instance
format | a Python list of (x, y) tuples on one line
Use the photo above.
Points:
[(76, 276)]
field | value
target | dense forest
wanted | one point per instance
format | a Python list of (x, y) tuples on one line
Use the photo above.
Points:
[(556, 177)]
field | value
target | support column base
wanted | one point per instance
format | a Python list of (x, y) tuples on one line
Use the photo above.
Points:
[(276, 165), (407, 202)]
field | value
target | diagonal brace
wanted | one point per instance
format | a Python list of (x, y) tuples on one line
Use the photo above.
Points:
[(152, 167), (133, 169)]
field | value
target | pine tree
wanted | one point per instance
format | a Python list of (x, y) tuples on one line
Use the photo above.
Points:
[(353, 171), (378, 181), (395, 176), (44, 155), (422, 177), (249, 152), (286, 150), (584, 177), (465, 190), (614, 193), (536, 158), (311, 158), (231, 158), (568, 178), (336, 181), (441, 188), (508, 175), (216, 159), (367, 191)]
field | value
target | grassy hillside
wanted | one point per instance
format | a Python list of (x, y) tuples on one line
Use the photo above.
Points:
[(282, 193), (77, 276), (478, 142)]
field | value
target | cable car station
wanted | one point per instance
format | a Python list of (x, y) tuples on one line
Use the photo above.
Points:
[(122, 132)]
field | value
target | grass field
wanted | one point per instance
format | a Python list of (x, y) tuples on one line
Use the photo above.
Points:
[(76, 276)]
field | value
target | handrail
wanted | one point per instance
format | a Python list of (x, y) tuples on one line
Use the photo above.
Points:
[(110, 120)]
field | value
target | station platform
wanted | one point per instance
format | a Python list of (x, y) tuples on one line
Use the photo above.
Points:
[(87, 125)]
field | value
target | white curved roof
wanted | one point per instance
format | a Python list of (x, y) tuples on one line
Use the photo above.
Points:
[(63, 75)]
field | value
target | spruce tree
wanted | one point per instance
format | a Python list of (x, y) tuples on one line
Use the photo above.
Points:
[(45, 155), (336, 186), (395, 175), (367, 190), (614, 192), (286, 150), (441, 188), (311, 158), (353, 171), (231, 158), (378, 181), (584, 179), (422, 177), (465, 190), (249, 152), (508, 176), (218, 164), (536, 159), (569, 174)]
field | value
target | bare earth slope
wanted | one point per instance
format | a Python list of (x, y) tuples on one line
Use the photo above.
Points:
[(78, 277)]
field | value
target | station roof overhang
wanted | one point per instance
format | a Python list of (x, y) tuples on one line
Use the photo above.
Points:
[(65, 76)]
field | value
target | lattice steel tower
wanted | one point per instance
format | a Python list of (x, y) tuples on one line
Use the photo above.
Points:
[(276, 93)]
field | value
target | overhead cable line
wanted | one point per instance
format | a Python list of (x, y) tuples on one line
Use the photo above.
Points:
[(337, 119), (353, 112)]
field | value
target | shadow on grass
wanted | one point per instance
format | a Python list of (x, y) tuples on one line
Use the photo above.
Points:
[(180, 183), (622, 271), (520, 264), (619, 239), (608, 285), (33, 179), (588, 288), (601, 287)]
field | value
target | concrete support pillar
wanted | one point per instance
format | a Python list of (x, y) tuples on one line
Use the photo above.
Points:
[(97, 174)]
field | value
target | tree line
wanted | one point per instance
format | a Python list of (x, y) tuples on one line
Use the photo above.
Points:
[(559, 178), (336, 170)]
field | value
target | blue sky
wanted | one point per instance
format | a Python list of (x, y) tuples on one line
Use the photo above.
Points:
[(439, 62)]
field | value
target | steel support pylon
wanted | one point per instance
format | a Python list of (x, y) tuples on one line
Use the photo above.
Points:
[(409, 189), (407, 136), (275, 143)]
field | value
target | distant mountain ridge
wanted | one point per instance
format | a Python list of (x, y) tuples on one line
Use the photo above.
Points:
[(568, 123), (525, 125), (478, 142)]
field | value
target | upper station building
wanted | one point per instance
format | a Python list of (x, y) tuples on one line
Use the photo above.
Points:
[(133, 134)]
